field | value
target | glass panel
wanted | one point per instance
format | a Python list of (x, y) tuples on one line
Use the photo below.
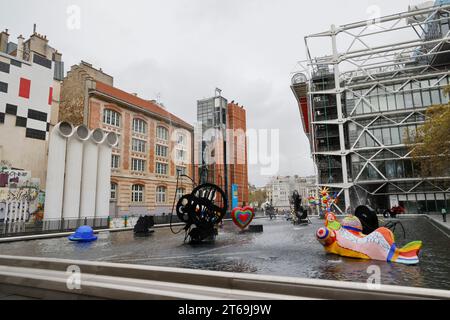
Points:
[(400, 101), (387, 136), (417, 99), (395, 135), (390, 169), (383, 103), (408, 100), (435, 97), (391, 102)]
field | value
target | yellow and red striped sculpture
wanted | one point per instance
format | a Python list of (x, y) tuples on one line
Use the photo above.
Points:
[(346, 239)]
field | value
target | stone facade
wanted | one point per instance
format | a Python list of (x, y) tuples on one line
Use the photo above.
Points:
[(30, 74), (280, 190)]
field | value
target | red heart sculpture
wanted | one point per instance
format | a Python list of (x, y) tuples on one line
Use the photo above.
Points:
[(242, 217)]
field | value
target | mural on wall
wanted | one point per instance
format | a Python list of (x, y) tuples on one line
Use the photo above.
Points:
[(17, 186), (27, 94)]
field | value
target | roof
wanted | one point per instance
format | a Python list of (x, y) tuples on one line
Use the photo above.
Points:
[(140, 103)]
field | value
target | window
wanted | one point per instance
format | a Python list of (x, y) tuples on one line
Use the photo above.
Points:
[(181, 155), (162, 133), (181, 171), (435, 97), (383, 102), (139, 126), (161, 168), (113, 191), (138, 145), (115, 161), (387, 136), (3, 87), (137, 193), (181, 139), (161, 195), (180, 192), (138, 165), (162, 151), (111, 117), (395, 134)]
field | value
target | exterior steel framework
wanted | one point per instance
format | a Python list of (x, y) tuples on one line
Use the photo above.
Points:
[(367, 98)]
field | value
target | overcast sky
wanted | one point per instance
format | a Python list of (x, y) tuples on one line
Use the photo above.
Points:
[(183, 49)]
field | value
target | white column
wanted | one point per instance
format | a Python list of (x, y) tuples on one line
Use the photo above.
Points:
[(72, 183), (104, 175), (337, 81), (89, 174), (55, 170)]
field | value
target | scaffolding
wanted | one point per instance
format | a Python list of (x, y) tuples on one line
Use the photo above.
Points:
[(379, 79)]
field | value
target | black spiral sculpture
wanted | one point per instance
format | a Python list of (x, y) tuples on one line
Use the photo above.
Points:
[(201, 211)]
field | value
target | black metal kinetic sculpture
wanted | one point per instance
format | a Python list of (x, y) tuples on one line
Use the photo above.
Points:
[(201, 211)]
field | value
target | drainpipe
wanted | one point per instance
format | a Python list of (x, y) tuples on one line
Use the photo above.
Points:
[(103, 192), (72, 184), (55, 170), (89, 174)]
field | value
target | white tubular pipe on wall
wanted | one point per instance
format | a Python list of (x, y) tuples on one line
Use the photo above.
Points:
[(55, 170), (104, 175), (72, 183), (89, 174)]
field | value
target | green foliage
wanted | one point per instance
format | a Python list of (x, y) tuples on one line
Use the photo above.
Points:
[(257, 196), (431, 146)]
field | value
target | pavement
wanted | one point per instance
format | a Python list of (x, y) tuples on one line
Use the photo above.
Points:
[(438, 219)]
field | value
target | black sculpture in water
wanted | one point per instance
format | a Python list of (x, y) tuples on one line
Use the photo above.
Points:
[(202, 211), (300, 213), (370, 223), (143, 225)]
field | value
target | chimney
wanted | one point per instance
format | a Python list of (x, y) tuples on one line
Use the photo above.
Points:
[(20, 47), (4, 38)]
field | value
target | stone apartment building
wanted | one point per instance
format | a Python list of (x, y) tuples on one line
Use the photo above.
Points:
[(154, 146), (280, 189), (31, 72)]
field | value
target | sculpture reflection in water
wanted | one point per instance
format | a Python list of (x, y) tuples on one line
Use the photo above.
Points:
[(347, 239)]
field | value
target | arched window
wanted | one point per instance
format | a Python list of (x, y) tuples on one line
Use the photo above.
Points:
[(111, 118), (162, 133), (113, 191), (161, 195), (139, 126), (137, 193)]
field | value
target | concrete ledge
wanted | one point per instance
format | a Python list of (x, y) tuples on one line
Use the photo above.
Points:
[(124, 281), (66, 234)]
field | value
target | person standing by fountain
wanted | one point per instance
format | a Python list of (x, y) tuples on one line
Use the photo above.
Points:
[(444, 214)]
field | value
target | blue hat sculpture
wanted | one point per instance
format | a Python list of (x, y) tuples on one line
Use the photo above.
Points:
[(83, 234)]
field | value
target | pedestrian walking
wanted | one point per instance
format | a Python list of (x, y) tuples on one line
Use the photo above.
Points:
[(444, 214)]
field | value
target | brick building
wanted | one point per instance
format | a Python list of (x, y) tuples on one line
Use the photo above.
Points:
[(222, 150), (154, 145), (237, 150)]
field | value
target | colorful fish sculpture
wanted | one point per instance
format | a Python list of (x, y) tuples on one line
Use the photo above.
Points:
[(347, 240)]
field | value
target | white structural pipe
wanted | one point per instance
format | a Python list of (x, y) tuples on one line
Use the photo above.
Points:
[(72, 183), (55, 170), (104, 175), (89, 174)]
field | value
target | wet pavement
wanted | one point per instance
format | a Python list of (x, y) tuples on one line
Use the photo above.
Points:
[(282, 249)]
